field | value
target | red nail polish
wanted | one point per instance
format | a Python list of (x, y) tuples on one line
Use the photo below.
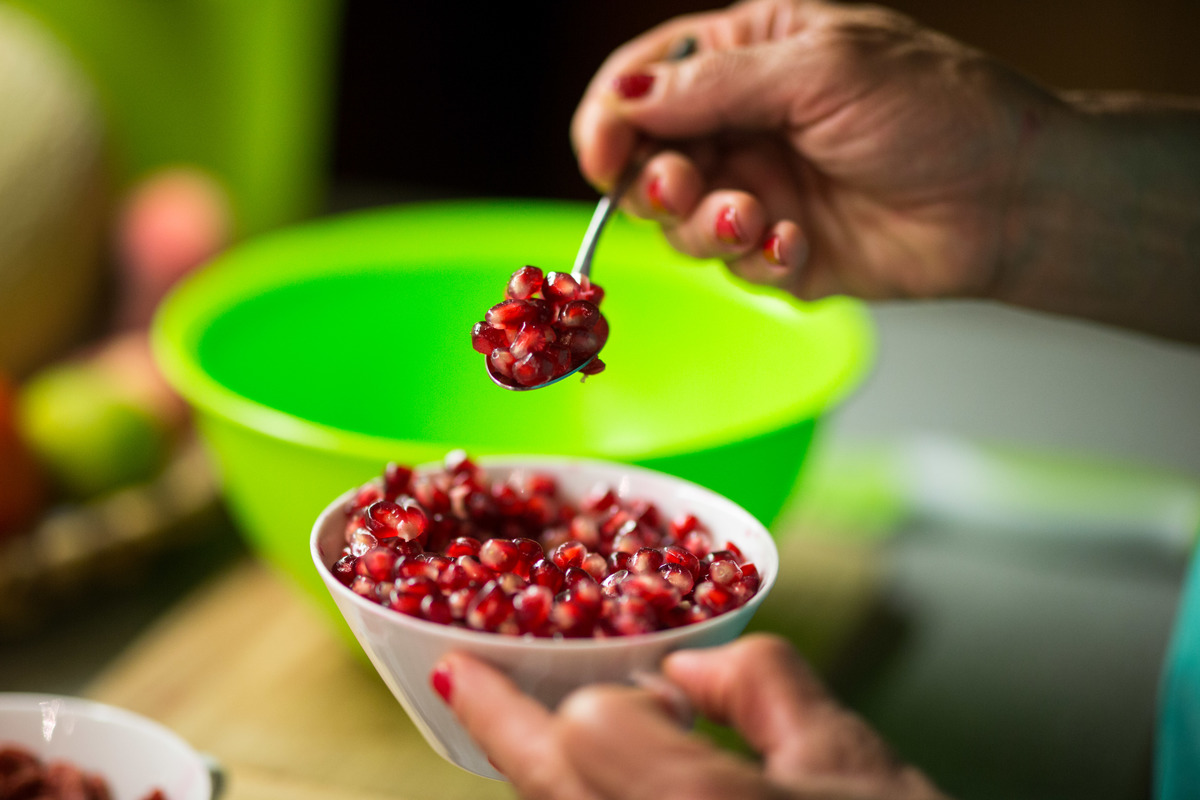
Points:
[(633, 86), (441, 682), (655, 196), (773, 250), (727, 226)]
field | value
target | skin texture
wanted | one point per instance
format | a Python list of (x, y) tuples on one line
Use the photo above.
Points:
[(810, 746), (892, 161)]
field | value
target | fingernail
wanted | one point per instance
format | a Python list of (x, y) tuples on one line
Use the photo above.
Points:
[(727, 228), (683, 48), (633, 86), (441, 681), (654, 194), (670, 697), (773, 250)]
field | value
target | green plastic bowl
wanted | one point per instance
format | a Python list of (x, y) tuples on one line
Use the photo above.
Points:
[(314, 355)]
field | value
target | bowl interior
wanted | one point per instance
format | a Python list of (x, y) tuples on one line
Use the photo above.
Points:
[(355, 332), (133, 754)]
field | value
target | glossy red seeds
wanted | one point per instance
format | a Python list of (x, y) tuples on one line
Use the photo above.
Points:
[(514, 557), (524, 283), (529, 339)]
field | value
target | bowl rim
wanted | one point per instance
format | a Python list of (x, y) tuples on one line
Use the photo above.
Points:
[(467, 636), (199, 298), (106, 714)]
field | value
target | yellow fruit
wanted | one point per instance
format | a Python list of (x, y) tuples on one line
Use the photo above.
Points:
[(87, 431)]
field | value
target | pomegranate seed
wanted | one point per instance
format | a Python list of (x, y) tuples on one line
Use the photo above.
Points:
[(436, 608), (343, 569), (421, 585), (750, 577), (489, 608), (524, 283), (531, 608), (366, 496), (724, 571), (363, 587), (674, 554), (580, 314), (683, 525), (717, 599), (560, 287), (560, 359), (511, 582), (463, 546), (377, 563), (699, 543), (654, 589), (570, 554), (582, 343), (612, 584), (453, 578), (595, 565), (590, 291), (546, 573), (618, 561), (499, 555), (485, 338), (646, 559), (679, 576), (459, 599), (477, 574), (502, 362), (599, 499), (512, 314), (406, 603), (532, 338), (574, 617), (361, 541), (397, 480), (735, 551), (533, 369), (593, 367)]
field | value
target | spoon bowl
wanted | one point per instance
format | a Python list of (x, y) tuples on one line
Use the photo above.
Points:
[(582, 269)]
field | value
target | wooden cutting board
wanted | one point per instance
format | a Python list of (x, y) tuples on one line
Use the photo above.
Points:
[(252, 673)]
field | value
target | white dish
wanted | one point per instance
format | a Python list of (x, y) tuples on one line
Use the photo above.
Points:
[(133, 754), (405, 650)]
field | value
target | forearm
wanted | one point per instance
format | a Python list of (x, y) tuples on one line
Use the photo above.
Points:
[(1106, 221)]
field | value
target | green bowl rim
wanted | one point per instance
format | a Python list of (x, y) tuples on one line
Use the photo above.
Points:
[(178, 326)]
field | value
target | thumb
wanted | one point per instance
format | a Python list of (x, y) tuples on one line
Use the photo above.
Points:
[(762, 687)]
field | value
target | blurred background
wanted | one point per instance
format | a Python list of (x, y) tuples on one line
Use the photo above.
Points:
[(1022, 491)]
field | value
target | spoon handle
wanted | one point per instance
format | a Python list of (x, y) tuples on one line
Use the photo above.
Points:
[(604, 210)]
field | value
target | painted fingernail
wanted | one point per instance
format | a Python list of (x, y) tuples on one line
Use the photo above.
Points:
[(727, 227), (633, 86), (654, 194), (683, 48), (441, 681), (773, 250)]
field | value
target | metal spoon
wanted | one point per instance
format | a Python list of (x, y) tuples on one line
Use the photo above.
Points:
[(583, 266)]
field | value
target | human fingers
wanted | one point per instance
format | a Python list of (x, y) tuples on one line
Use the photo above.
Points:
[(515, 731), (603, 139), (624, 744), (725, 224), (668, 189), (762, 687)]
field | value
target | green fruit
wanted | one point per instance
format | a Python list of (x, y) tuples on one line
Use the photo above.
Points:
[(87, 432)]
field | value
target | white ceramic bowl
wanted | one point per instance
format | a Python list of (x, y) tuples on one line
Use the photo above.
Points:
[(134, 755), (405, 649)]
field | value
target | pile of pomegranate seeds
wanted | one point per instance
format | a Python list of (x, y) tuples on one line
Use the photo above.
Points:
[(23, 776), (515, 557), (547, 326)]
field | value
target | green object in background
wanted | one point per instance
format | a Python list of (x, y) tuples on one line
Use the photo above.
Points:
[(315, 355), (239, 88), (87, 431)]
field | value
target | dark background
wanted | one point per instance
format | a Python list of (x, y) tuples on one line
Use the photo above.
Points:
[(439, 98)]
